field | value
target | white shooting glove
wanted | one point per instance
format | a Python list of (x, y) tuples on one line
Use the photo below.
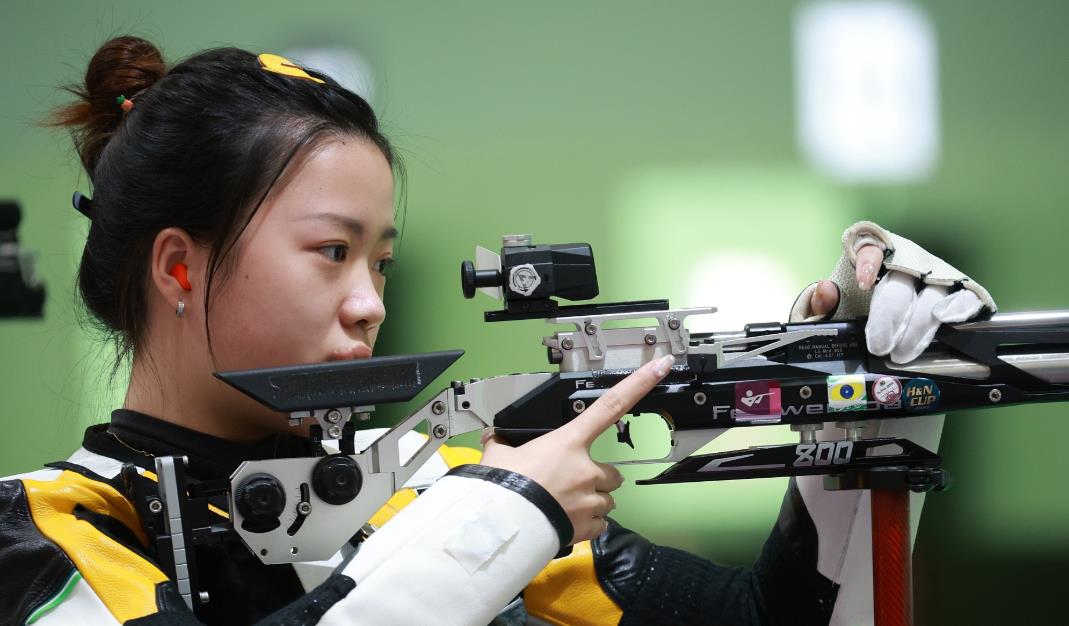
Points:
[(918, 292)]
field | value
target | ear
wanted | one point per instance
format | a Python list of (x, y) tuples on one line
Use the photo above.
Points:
[(173, 246)]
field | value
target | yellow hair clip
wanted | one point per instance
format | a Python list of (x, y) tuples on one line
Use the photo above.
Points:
[(282, 65)]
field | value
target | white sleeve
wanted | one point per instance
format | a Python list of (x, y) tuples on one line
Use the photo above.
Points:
[(456, 555)]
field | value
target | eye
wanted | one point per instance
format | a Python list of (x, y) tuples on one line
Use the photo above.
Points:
[(383, 266), (336, 253)]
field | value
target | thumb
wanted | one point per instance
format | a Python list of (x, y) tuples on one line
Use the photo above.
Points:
[(618, 400), (825, 298), (490, 441), (496, 451)]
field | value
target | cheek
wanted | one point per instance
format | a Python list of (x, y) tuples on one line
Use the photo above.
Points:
[(270, 313)]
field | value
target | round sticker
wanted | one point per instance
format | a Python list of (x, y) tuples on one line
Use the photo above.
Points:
[(523, 279), (920, 394), (887, 390)]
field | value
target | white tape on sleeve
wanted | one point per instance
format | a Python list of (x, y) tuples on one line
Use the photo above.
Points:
[(480, 537), (456, 555)]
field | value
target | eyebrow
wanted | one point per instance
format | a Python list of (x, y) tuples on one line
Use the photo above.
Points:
[(355, 226)]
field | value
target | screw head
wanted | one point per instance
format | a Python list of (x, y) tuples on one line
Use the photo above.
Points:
[(590, 329), (673, 323), (304, 508), (439, 431), (567, 344), (995, 395), (155, 506), (333, 416), (438, 407), (578, 406), (805, 392), (650, 339), (699, 398), (334, 432)]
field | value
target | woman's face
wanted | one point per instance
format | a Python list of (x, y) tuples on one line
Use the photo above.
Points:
[(308, 277)]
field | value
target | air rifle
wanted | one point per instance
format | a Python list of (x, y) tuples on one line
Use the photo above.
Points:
[(801, 374)]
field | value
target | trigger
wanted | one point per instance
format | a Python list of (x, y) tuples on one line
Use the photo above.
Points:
[(623, 433)]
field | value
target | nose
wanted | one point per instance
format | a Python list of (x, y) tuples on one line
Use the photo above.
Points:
[(362, 306)]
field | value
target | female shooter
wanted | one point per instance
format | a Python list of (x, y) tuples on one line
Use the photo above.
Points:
[(241, 217)]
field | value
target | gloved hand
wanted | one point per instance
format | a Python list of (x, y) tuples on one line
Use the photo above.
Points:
[(918, 292)]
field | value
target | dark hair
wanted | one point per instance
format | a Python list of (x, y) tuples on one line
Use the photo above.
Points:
[(200, 150)]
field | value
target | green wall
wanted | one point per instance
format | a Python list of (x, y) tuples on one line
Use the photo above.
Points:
[(660, 133)]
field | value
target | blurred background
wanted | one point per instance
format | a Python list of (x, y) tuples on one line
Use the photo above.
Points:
[(711, 152)]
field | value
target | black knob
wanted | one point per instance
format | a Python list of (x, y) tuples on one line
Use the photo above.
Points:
[(471, 278), (260, 500), (467, 279), (336, 479)]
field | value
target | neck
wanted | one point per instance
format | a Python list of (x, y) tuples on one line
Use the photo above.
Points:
[(171, 379), (188, 395)]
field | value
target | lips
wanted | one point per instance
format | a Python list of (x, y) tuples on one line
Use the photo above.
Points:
[(358, 351)]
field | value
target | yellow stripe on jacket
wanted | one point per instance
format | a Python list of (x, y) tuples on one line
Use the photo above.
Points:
[(124, 581), (567, 592)]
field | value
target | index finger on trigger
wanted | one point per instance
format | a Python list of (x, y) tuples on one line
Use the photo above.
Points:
[(619, 399)]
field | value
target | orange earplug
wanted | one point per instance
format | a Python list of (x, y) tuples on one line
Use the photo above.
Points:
[(180, 271)]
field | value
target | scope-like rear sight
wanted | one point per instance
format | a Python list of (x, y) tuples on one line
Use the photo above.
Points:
[(527, 276)]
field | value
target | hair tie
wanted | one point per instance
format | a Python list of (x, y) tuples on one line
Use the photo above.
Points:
[(125, 103), (83, 204)]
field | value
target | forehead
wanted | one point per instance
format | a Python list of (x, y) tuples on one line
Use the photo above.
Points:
[(348, 176)]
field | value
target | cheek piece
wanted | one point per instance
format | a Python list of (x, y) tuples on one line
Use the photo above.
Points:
[(180, 273)]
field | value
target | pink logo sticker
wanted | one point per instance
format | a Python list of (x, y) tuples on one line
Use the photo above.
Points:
[(887, 390), (757, 399)]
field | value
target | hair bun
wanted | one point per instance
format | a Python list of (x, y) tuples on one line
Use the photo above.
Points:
[(123, 66)]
